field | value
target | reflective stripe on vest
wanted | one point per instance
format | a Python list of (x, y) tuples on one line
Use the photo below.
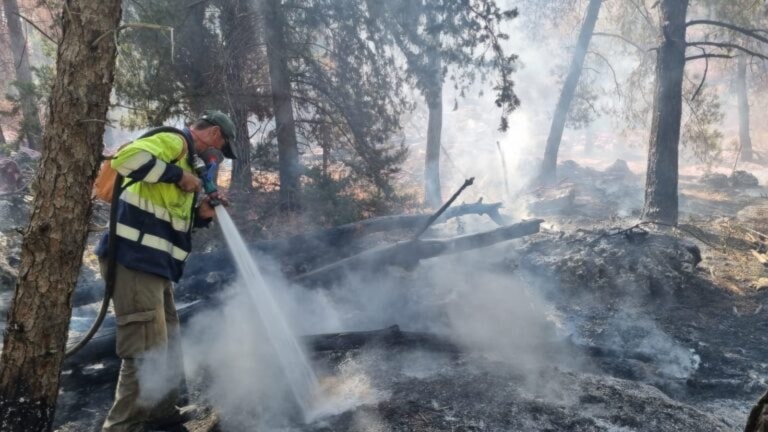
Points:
[(151, 241), (161, 213), (153, 176)]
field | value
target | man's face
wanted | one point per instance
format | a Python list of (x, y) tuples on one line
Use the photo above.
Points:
[(217, 142)]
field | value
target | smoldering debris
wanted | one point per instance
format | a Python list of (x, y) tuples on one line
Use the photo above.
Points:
[(579, 329), (586, 192)]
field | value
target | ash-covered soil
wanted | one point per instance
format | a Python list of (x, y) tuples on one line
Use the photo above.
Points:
[(637, 338), (642, 329)]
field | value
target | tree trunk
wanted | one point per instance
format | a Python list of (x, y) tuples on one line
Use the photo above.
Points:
[(191, 57), (589, 140), (30, 127), (288, 151), (745, 142), (548, 174), (54, 240), (237, 25), (434, 96), (325, 144), (661, 176), (241, 167), (2, 135)]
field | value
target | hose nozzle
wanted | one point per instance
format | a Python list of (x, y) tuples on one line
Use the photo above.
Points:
[(207, 173)]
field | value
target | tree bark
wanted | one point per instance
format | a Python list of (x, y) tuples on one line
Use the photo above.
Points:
[(745, 142), (30, 128), (190, 57), (434, 95), (241, 167), (288, 151), (661, 202), (238, 28), (54, 240), (548, 173)]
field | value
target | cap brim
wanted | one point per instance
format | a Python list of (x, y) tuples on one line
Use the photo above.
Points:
[(228, 151)]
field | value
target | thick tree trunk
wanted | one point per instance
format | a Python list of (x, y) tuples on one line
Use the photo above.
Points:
[(30, 128), (288, 151), (745, 142), (548, 174), (432, 193), (54, 240), (661, 176)]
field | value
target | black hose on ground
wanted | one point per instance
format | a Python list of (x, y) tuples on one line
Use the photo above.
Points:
[(109, 286)]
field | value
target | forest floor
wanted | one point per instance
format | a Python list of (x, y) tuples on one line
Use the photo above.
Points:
[(613, 326)]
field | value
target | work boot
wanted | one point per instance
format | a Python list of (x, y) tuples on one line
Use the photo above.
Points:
[(179, 417)]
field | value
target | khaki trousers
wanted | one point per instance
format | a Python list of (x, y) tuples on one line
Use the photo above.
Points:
[(147, 331)]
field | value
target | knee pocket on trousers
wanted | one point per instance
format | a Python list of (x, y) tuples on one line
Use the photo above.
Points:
[(136, 333)]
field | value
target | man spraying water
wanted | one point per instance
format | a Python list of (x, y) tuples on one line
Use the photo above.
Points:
[(155, 212)]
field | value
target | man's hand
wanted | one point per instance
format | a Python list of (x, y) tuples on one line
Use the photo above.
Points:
[(205, 209), (190, 183)]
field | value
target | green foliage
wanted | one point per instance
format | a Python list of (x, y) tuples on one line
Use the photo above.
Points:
[(160, 77), (460, 40), (341, 199), (348, 86)]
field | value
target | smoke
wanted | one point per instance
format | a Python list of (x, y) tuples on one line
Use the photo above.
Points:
[(460, 297), (229, 348), (628, 331)]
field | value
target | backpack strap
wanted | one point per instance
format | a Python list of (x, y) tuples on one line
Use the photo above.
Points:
[(170, 129), (166, 129)]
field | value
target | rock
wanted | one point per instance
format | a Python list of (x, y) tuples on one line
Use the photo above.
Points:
[(715, 180), (552, 200), (620, 169), (10, 175), (739, 179), (743, 179)]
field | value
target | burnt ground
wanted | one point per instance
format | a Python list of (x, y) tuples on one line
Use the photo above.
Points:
[(647, 329)]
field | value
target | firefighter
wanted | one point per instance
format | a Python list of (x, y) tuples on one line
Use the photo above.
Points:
[(155, 216)]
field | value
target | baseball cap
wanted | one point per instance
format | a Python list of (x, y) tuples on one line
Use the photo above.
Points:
[(218, 118)]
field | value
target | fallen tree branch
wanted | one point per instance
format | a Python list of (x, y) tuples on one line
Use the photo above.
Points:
[(407, 254), (323, 246)]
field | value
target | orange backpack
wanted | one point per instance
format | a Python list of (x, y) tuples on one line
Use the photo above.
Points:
[(104, 185)]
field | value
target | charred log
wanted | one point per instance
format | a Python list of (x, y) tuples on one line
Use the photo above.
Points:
[(306, 251), (407, 254), (389, 337), (102, 346)]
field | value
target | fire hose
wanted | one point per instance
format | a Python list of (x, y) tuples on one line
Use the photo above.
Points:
[(109, 287)]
